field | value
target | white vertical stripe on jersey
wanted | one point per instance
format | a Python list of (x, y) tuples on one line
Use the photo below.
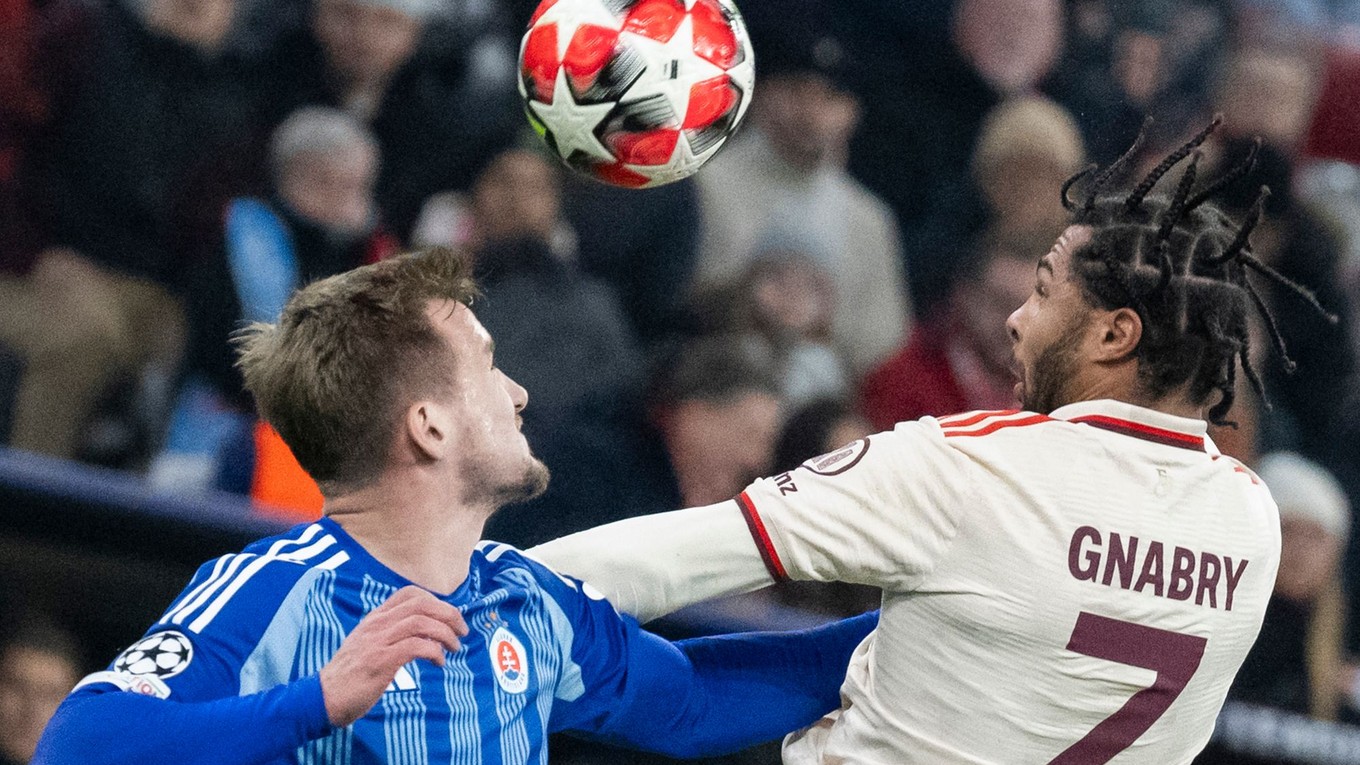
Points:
[(403, 713), (514, 736), (546, 648), (461, 695), (237, 561), (219, 577), (321, 637), (298, 556), (195, 592)]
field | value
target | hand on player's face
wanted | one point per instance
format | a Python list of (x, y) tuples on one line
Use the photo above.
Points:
[(412, 624)]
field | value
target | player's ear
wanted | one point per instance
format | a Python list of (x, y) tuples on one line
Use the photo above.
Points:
[(1120, 332), (428, 429)]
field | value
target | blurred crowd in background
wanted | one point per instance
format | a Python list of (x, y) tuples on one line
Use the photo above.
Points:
[(170, 169)]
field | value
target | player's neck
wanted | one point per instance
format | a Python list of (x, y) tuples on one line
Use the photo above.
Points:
[(411, 529), (1127, 389)]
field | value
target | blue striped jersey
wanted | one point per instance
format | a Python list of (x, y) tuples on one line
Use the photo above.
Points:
[(544, 652)]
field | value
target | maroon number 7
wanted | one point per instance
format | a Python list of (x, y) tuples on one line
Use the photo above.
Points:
[(1174, 656)]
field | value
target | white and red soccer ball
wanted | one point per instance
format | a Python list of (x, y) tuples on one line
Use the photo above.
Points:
[(636, 92)]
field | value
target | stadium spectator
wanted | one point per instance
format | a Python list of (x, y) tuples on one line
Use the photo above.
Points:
[(644, 242), (109, 188), (141, 93), (1328, 177), (1304, 247), (39, 665), (782, 183), (439, 110), (1128, 60), (959, 359), (958, 61), (1027, 146), (1269, 92), (1296, 661), (319, 219), (563, 335), (788, 301), (675, 447), (718, 386), (818, 428)]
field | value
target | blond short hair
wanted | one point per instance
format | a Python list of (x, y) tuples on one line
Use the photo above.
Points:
[(347, 356), (1027, 126)]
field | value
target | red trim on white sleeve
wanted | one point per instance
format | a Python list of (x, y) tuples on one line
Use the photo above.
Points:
[(987, 427), (762, 538)]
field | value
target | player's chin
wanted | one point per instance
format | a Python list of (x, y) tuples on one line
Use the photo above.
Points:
[(534, 482)]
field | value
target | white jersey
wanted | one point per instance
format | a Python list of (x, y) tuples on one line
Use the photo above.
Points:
[(1073, 588), (1077, 588)]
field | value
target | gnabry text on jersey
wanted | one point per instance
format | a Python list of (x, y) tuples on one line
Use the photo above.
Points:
[(1144, 565)]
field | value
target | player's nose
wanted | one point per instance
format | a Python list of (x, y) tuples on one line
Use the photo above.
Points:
[(518, 395)]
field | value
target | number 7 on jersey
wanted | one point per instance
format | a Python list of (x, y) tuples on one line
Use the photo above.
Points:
[(1174, 656)]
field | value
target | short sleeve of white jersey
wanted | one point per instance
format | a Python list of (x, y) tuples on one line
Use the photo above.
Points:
[(881, 511)]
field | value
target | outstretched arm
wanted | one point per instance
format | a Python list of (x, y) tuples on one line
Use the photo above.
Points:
[(95, 727), (881, 511), (653, 565), (715, 695)]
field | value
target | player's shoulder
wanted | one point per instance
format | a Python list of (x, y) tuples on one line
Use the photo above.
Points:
[(1247, 475), (501, 561), (958, 435), (250, 584), (510, 566), (982, 423)]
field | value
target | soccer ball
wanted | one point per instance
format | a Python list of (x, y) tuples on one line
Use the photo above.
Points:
[(636, 93)]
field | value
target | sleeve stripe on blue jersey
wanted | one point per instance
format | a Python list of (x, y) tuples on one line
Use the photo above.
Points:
[(333, 562), (217, 582), (195, 592), (296, 556), (219, 577)]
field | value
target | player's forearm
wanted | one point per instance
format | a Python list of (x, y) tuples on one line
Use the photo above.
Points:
[(119, 727), (652, 565), (733, 691)]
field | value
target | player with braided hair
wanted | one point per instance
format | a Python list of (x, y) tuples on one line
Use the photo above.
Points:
[(1073, 582), (1185, 270)]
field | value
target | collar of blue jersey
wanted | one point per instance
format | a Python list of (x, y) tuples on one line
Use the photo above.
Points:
[(1140, 422), (372, 567)]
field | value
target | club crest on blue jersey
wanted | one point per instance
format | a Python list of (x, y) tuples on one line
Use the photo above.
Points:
[(509, 661)]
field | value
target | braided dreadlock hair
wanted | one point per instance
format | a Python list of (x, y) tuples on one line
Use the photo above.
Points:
[(1184, 266)]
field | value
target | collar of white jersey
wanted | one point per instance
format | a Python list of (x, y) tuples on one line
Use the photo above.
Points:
[(1140, 422)]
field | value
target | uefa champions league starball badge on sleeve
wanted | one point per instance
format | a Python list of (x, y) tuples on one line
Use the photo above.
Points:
[(636, 93)]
